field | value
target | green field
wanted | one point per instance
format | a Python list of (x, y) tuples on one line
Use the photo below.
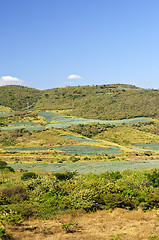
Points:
[(22, 123), (49, 116), (88, 150), (66, 121), (79, 150), (151, 146), (86, 167), (29, 128)]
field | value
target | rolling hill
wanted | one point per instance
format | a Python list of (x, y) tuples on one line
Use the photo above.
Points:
[(115, 101)]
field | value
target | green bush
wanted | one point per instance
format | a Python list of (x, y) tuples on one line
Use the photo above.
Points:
[(15, 194), (84, 199), (29, 175), (65, 175), (154, 178), (4, 168), (3, 163)]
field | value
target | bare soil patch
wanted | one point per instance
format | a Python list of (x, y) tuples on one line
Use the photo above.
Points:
[(101, 225)]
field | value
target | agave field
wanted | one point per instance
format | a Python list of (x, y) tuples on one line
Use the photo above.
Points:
[(88, 150), (66, 121), (29, 128), (149, 146), (86, 167), (73, 150), (62, 121), (22, 123), (49, 116)]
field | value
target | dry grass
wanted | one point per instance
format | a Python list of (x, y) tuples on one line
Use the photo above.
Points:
[(102, 225)]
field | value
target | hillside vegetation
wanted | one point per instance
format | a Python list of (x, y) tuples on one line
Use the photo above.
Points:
[(115, 101), (16, 97)]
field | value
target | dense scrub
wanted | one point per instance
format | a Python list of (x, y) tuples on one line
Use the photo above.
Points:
[(90, 130), (44, 195)]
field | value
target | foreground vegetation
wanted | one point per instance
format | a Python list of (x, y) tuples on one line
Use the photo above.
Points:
[(24, 195), (43, 195)]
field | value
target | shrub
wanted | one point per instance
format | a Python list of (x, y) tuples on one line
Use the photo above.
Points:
[(69, 227), (15, 193), (84, 199), (4, 168), (154, 178), (65, 175), (4, 235), (10, 217), (29, 175), (3, 163)]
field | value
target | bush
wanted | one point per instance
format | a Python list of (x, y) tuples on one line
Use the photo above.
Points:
[(65, 175), (29, 175), (25, 209), (84, 199), (4, 235), (15, 193), (6, 168), (3, 163), (154, 178)]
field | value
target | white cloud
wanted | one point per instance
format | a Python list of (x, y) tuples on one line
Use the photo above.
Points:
[(9, 80), (74, 77)]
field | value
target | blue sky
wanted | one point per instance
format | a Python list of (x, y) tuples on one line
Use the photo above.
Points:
[(56, 43)]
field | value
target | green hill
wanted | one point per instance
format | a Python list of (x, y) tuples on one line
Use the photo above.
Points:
[(16, 97), (113, 101)]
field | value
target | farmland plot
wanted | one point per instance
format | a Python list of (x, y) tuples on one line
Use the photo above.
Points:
[(79, 150), (66, 121), (151, 146), (88, 150), (86, 167), (22, 123), (29, 128)]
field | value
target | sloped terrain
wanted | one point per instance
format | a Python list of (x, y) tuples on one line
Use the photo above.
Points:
[(107, 102)]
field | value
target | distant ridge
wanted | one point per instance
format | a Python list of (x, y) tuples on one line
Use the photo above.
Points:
[(112, 101)]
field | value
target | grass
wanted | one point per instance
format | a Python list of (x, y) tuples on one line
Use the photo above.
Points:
[(79, 139), (27, 149), (127, 135)]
